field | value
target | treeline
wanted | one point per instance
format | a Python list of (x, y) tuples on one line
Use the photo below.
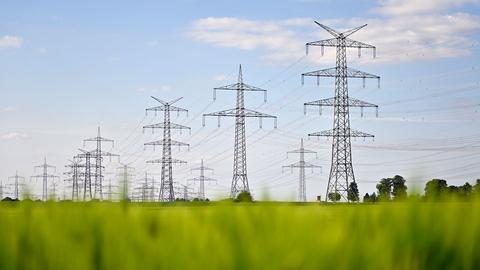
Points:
[(395, 189)]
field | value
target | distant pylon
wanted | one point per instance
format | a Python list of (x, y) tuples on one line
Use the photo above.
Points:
[(145, 188), (240, 179), (45, 176), (126, 173), (202, 179), (341, 172), (98, 155), (167, 193), (75, 166), (301, 165), (16, 183)]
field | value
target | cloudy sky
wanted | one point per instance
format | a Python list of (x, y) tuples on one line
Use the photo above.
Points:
[(66, 68)]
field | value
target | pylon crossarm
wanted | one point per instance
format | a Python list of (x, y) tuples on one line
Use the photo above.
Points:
[(202, 168), (171, 160), (332, 72), (298, 151), (333, 133), (46, 175), (235, 113), (162, 125), (301, 165), (165, 108), (240, 86), (350, 43), (98, 139), (352, 102), (162, 142), (206, 179)]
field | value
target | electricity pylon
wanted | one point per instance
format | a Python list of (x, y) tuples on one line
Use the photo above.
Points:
[(184, 191), (301, 165), (202, 179), (16, 178), (341, 171), (240, 180), (45, 175), (126, 173), (167, 193), (145, 188), (98, 155), (75, 166)]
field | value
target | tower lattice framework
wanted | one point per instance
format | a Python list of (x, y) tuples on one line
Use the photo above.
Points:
[(240, 179), (301, 165), (341, 171), (167, 192)]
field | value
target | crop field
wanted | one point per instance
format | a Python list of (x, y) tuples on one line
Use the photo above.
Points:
[(100, 235)]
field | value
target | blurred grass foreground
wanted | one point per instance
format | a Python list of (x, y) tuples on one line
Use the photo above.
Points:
[(95, 235)]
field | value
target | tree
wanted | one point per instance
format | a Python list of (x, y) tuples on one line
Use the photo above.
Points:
[(244, 196), (373, 197), (366, 198), (384, 189), (353, 194), (334, 196), (435, 188), (399, 189), (476, 188), (465, 190)]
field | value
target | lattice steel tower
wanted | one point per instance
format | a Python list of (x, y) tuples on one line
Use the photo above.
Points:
[(341, 172), (202, 179), (167, 193), (301, 165), (98, 154), (240, 180), (45, 176), (16, 183)]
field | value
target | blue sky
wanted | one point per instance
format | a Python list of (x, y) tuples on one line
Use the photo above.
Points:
[(68, 67)]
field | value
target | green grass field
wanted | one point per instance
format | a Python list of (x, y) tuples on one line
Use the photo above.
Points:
[(240, 236)]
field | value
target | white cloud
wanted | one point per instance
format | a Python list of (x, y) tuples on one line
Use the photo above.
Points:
[(13, 135), (403, 35), (10, 42), (409, 7), (219, 77), (7, 109)]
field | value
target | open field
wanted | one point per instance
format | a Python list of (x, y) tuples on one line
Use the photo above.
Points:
[(240, 236)]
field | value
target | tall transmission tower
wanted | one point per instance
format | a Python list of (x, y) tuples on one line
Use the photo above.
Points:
[(45, 176), (341, 171), (98, 155), (202, 179), (16, 183), (301, 165), (240, 179), (167, 193)]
